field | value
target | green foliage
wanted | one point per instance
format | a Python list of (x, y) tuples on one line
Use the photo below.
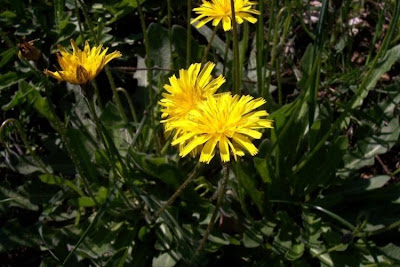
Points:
[(323, 190)]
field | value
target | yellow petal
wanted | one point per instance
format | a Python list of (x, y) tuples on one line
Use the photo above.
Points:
[(199, 140), (208, 151), (224, 149), (244, 142)]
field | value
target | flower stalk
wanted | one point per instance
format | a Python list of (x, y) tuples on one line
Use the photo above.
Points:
[(224, 183), (236, 63)]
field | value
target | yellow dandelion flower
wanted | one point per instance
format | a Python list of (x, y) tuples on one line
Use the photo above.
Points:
[(227, 121), (186, 92), (220, 10), (81, 67)]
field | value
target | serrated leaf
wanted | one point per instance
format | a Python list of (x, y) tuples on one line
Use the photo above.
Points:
[(56, 180)]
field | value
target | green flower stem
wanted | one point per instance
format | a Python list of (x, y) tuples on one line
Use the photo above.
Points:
[(62, 130), (192, 175), (203, 59), (395, 172), (260, 49), (274, 49), (148, 63), (79, 19), (97, 93), (279, 80), (109, 75), (131, 106), (25, 140), (116, 97), (236, 70), (170, 30), (381, 230), (189, 34), (243, 48), (89, 22), (221, 194), (100, 129), (226, 53), (135, 137)]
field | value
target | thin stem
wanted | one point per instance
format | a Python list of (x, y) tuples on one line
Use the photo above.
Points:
[(189, 34), (109, 75), (227, 40), (221, 194), (136, 136), (192, 175), (243, 48), (62, 130), (79, 19), (395, 172), (381, 230), (97, 93), (274, 48), (170, 30), (25, 140), (260, 49), (203, 59), (147, 61), (279, 80), (116, 97), (131, 106), (89, 22), (236, 71)]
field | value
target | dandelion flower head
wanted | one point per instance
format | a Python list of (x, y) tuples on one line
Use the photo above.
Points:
[(186, 92), (220, 10), (230, 122), (80, 67)]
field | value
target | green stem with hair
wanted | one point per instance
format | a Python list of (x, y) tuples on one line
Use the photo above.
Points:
[(224, 183), (203, 59), (131, 106), (236, 63), (62, 130), (192, 175), (189, 34), (109, 75)]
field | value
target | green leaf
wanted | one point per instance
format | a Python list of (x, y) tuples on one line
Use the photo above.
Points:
[(248, 182), (79, 144), (10, 78), (30, 94), (217, 44), (82, 202), (159, 46), (392, 251), (367, 148), (167, 259), (159, 168), (56, 180), (383, 66), (6, 57), (262, 169)]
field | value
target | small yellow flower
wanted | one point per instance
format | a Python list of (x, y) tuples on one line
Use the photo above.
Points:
[(186, 92), (220, 10), (81, 67), (227, 121)]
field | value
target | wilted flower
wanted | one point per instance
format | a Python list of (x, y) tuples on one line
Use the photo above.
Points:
[(220, 10), (186, 92), (227, 121), (28, 51), (81, 67)]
